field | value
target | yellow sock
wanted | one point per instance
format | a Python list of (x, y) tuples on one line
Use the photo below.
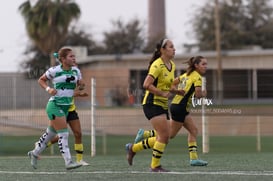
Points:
[(152, 133), (158, 151), (144, 144), (79, 151), (193, 150), (146, 134), (49, 144), (149, 133)]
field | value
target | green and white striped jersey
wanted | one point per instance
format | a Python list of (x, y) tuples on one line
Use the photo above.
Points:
[(64, 81)]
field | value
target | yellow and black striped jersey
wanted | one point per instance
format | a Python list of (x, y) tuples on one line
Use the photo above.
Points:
[(188, 84), (163, 79)]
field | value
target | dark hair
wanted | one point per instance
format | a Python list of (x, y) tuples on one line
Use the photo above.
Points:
[(191, 62), (156, 54)]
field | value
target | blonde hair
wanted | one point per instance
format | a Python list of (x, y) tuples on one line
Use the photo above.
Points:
[(63, 52)]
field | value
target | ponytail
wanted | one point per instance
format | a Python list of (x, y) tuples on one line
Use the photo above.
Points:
[(156, 54), (191, 63)]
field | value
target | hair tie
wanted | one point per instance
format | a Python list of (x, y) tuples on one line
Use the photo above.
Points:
[(164, 42), (56, 55)]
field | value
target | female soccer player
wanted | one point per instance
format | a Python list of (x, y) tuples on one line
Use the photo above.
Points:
[(65, 78), (155, 103)]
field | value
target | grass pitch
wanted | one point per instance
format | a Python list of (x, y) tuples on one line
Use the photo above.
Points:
[(230, 158), (222, 167)]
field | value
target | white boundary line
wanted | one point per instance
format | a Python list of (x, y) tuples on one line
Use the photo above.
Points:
[(243, 173)]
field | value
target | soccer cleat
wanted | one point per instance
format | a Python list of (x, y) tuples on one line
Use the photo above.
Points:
[(83, 163), (198, 162), (72, 165), (130, 153), (33, 159), (158, 169), (139, 136)]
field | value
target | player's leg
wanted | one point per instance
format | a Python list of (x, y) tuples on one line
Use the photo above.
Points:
[(161, 125), (145, 139), (44, 139), (175, 127), (143, 134), (192, 142), (132, 149), (75, 125), (58, 115), (60, 125), (53, 141), (41, 145)]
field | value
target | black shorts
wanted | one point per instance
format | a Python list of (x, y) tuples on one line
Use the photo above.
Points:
[(72, 115), (151, 110), (178, 112)]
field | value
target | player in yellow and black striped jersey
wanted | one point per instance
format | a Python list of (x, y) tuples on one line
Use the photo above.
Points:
[(155, 103), (191, 83), (188, 84)]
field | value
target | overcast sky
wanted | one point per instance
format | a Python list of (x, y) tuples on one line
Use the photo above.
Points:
[(96, 16)]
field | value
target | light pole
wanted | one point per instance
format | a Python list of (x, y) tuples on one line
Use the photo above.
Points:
[(218, 52)]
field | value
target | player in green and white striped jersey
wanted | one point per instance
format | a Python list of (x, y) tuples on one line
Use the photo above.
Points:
[(64, 78), (64, 81)]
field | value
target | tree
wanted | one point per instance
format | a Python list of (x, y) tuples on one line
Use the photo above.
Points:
[(36, 62), (151, 43), (125, 38), (243, 23), (47, 23), (259, 21), (78, 37)]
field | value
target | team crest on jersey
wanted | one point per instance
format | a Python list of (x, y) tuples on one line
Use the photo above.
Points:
[(182, 83), (74, 72)]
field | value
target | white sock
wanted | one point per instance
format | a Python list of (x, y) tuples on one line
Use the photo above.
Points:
[(63, 146), (44, 139)]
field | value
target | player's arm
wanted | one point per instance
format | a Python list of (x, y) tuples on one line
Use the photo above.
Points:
[(80, 94), (174, 89), (81, 84), (43, 83), (148, 85), (199, 93)]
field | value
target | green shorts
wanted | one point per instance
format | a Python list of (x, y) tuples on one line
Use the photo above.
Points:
[(53, 110)]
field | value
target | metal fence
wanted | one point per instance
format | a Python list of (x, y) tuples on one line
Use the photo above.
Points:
[(23, 102)]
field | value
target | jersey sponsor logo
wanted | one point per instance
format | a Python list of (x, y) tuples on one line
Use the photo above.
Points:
[(69, 79)]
